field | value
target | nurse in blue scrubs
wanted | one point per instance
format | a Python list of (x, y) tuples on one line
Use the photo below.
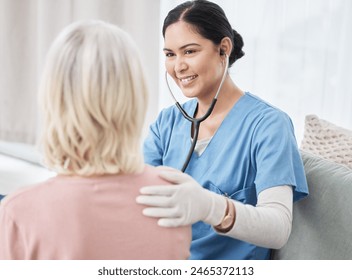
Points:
[(246, 170)]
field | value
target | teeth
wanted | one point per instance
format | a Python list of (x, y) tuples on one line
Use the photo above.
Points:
[(185, 80)]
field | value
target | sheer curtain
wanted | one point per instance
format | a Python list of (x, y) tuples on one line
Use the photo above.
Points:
[(297, 56), (27, 28)]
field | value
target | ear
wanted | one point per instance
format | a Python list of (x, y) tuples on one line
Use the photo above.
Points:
[(226, 46)]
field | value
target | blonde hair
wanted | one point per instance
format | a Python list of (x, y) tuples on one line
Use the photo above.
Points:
[(93, 96)]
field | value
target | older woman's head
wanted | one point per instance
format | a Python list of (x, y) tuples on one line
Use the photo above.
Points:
[(93, 96)]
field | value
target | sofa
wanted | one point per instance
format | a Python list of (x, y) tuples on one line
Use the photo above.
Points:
[(322, 222)]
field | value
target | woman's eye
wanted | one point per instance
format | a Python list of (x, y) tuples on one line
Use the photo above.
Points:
[(169, 54), (189, 51)]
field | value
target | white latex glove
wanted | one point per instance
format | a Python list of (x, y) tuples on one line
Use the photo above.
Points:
[(184, 203)]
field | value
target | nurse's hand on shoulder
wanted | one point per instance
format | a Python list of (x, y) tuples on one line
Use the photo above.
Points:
[(183, 203)]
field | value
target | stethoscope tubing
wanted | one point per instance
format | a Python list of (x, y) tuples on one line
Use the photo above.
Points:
[(197, 121)]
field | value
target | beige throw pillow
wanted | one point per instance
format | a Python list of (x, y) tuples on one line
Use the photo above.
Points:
[(327, 140)]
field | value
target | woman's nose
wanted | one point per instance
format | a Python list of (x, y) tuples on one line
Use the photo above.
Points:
[(180, 65)]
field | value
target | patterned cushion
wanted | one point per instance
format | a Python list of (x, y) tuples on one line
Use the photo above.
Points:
[(327, 140)]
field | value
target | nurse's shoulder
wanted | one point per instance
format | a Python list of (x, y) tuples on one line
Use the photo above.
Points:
[(265, 112)]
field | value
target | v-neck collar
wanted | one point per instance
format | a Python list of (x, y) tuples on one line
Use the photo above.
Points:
[(221, 131), (216, 143)]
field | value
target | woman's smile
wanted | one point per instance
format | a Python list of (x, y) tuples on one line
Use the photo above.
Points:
[(187, 80)]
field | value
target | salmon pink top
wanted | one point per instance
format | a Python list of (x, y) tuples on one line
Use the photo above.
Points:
[(71, 217)]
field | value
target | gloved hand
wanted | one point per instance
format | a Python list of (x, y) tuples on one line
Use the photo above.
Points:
[(184, 203)]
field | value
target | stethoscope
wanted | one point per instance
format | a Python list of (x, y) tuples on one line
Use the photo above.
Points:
[(196, 121)]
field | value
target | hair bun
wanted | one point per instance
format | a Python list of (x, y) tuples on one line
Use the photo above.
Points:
[(237, 51)]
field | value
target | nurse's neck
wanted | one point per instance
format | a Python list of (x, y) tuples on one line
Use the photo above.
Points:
[(227, 98)]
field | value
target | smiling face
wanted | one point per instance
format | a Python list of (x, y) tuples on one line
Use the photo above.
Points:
[(193, 61)]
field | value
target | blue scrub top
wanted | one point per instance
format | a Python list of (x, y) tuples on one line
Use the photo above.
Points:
[(253, 149)]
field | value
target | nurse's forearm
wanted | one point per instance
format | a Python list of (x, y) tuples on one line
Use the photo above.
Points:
[(269, 223)]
